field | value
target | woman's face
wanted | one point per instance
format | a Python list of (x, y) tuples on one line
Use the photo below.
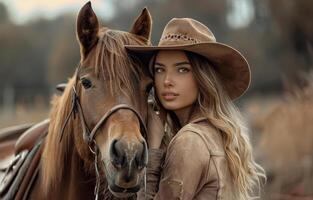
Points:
[(175, 83)]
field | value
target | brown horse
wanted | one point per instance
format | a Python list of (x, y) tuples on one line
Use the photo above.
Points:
[(285, 147), (96, 130)]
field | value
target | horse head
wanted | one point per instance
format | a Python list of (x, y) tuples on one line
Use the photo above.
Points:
[(106, 104)]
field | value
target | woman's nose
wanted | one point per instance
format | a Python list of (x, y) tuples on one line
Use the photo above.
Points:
[(168, 80)]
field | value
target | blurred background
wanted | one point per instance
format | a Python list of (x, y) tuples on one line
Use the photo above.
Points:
[(38, 49)]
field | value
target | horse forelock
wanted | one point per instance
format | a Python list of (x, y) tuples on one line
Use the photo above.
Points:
[(114, 64)]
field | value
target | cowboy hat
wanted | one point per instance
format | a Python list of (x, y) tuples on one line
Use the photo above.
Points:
[(190, 35)]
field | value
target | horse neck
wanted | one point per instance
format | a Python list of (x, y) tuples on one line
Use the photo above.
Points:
[(79, 183), (75, 183), (61, 162)]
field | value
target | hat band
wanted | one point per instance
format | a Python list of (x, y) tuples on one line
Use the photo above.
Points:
[(178, 37)]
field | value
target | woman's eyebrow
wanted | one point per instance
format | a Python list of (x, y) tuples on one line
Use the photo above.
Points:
[(160, 64), (182, 63), (176, 64)]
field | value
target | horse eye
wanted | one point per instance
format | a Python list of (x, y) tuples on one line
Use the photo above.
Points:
[(86, 83)]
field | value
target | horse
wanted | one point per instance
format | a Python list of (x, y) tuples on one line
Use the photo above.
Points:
[(285, 145), (95, 146)]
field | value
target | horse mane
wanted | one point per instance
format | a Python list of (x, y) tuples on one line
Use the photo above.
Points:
[(122, 73), (56, 151), (115, 66)]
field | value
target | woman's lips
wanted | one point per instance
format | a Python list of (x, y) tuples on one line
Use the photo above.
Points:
[(169, 96)]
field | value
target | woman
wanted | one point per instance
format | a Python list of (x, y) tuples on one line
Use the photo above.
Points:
[(196, 79)]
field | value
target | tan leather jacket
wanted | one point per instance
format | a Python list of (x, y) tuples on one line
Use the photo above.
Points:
[(195, 167)]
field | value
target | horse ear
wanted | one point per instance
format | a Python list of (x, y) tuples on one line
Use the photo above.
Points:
[(143, 24), (87, 27)]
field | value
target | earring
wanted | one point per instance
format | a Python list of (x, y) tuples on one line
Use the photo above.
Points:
[(153, 102)]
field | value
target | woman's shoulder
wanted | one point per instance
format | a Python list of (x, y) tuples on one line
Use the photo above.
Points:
[(203, 132), (187, 144), (200, 126)]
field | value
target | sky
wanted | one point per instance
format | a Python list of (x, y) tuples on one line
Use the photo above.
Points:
[(240, 15), (22, 11)]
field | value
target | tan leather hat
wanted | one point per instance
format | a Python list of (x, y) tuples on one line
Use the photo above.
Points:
[(190, 35)]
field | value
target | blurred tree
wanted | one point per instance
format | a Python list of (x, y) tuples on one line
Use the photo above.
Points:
[(64, 55), (212, 13), (4, 16), (294, 22), (259, 43), (23, 55), (21, 59)]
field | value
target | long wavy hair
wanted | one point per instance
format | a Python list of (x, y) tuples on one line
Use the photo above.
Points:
[(219, 109), (215, 104)]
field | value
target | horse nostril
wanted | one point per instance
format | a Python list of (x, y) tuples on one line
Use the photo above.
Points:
[(142, 156), (117, 154), (128, 178)]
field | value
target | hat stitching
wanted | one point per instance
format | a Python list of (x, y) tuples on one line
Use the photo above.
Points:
[(179, 37)]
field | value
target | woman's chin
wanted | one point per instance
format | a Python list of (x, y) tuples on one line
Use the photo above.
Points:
[(170, 106)]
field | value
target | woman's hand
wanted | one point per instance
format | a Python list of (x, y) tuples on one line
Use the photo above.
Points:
[(155, 128)]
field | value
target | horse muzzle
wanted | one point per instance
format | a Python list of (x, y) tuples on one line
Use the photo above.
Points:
[(128, 155), (126, 166)]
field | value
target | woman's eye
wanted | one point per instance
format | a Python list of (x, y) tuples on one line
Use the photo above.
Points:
[(183, 70), (86, 83), (158, 70)]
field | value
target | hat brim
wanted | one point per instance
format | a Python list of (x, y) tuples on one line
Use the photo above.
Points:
[(231, 66)]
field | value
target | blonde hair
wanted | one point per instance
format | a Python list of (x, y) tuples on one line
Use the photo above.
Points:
[(219, 109)]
